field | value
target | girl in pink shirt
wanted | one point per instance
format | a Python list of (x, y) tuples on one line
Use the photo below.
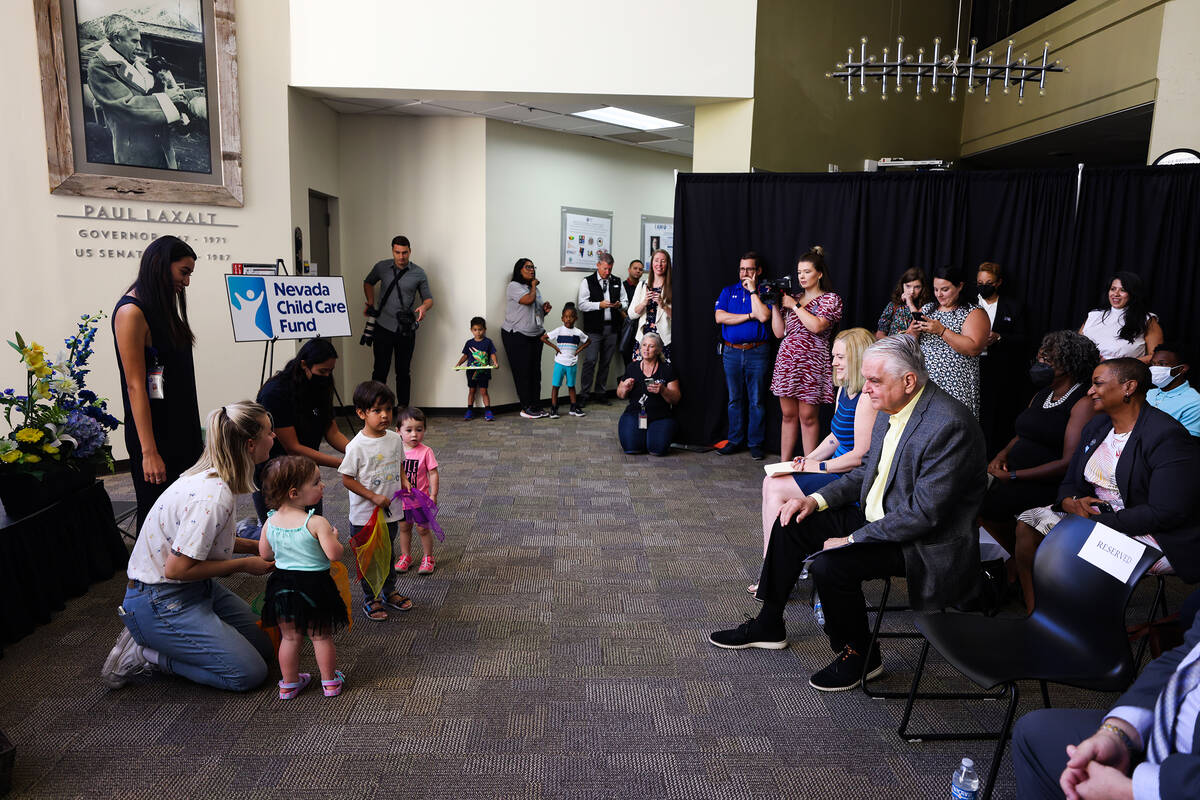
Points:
[(421, 469)]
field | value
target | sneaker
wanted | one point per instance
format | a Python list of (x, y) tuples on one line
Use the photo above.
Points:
[(470, 414), (751, 633), (729, 449), (426, 567), (576, 411), (553, 412), (846, 671), (126, 660), (404, 563), (757, 453), (488, 416), (528, 413)]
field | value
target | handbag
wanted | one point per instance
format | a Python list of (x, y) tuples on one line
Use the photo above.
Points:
[(628, 335)]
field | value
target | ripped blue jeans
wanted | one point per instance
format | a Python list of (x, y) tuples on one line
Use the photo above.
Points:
[(202, 632)]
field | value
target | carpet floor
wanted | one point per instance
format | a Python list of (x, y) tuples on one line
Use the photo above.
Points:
[(560, 650)]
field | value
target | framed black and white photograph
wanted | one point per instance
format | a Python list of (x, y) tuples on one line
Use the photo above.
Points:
[(140, 99)]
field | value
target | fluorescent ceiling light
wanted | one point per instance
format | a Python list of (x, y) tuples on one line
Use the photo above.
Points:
[(626, 118)]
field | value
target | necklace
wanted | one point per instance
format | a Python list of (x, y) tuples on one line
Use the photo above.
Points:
[(1049, 404)]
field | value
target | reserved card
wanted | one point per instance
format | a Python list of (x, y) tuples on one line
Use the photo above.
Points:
[(1112, 551)]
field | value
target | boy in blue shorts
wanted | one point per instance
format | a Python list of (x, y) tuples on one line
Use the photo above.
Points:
[(567, 341), (480, 351)]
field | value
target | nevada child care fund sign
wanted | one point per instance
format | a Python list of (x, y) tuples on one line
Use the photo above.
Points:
[(265, 307)]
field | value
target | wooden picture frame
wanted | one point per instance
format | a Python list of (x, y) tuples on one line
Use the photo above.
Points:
[(70, 171)]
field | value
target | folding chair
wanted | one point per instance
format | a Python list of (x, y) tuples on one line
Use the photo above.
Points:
[(125, 515), (1075, 636)]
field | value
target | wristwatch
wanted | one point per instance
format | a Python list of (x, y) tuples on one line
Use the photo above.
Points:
[(1012, 475), (821, 466), (850, 538)]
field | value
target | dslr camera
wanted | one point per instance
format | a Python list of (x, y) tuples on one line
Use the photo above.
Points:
[(368, 335), (406, 323), (772, 291)]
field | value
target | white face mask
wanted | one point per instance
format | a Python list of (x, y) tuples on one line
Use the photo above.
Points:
[(1161, 376)]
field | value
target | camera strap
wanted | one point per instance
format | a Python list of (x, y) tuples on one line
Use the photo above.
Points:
[(387, 292)]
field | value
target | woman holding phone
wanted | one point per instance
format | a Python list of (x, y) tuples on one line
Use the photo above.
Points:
[(651, 304), (652, 389), (952, 332)]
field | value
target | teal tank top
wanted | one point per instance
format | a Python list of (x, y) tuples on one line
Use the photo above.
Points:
[(296, 548)]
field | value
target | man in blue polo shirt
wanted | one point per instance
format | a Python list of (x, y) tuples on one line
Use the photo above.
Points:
[(745, 327), (1172, 393)]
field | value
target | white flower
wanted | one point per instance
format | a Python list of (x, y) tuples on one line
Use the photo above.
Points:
[(52, 430), (64, 385), (62, 362), (7, 444)]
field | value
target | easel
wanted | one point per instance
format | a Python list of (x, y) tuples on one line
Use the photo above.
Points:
[(268, 362)]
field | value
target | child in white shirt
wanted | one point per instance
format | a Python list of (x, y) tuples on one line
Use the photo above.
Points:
[(567, 341)]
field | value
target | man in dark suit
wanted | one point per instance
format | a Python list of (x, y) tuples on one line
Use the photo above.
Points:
[(138, 105), (1147, 746), (908, 510), (602, 303), (1003, 388)]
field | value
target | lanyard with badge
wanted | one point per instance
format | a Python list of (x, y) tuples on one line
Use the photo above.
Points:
[(154, 375)]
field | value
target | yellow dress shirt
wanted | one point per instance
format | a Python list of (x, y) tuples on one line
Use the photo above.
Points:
[(896, 423)]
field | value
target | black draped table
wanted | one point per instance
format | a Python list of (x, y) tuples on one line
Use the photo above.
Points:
[(55, 553)]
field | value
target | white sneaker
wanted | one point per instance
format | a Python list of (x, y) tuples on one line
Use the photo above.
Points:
[(124, 661)]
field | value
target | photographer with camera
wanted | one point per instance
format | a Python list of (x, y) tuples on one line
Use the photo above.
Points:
[(744, 318), (391, 328)]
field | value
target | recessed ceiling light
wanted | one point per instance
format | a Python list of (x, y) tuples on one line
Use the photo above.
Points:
[(626, 118)]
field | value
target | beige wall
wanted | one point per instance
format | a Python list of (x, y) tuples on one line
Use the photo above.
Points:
[(422, 177), (723, 136), (1177, 106), (47, 286), (802, 120), (531, 174), (1112, 50)]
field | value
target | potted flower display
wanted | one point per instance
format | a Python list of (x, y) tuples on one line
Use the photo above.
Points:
[(58, 435)]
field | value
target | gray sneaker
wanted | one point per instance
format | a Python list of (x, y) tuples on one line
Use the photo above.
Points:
[(125, 661)]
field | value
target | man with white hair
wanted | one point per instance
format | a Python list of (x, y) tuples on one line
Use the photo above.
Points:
[(909, 510), (138, 104)]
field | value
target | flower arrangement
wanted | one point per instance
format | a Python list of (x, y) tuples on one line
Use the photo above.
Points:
[(57, 419)]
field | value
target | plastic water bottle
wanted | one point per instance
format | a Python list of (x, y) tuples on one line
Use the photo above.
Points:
[(818, 611), (964, 785)]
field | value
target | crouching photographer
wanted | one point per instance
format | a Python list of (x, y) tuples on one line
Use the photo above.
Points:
[(391, 324)]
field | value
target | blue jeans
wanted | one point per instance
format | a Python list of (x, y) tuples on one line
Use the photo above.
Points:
[(202, 631), (656, 438), (746, 380)]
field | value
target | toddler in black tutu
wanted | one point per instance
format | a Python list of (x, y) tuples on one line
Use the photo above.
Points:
[(301, 597)]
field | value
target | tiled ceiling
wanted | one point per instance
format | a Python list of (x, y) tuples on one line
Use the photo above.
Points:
[(549, 116)]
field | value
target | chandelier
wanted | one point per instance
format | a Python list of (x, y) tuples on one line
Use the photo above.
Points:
[(979, 70)]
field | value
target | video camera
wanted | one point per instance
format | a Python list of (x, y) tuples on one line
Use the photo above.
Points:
[(772, 291)]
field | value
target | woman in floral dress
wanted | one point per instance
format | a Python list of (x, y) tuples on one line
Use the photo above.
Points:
[(952, 333), (803, 377)]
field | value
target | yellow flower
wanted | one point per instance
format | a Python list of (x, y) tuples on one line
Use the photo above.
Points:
[(49, 448), (10, 456), (43, 370), (29, 435), (30, 458)]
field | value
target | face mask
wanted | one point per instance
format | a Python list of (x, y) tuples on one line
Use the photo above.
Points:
[(1161, 376), (987, 291), (1041, 375)]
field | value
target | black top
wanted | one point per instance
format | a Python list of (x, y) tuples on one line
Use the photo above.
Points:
[(1040, 431), (176, 418), (656, 407), (306, 408), (610, 290)]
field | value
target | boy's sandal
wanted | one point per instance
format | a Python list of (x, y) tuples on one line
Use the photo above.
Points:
[(398, 601), (289, 690), (373, 609), (334, 687)]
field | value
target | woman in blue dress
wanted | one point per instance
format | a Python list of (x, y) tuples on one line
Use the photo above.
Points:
[(842, 450)]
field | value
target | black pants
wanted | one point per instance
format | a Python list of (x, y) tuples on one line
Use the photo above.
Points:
[(837, 574), (525, 360), (144, 491), (389, 345), (596, 359)]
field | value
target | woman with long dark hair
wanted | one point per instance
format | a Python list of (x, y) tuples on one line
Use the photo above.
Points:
[(1121, 326), (158, 378), (910, 293), (952, 332), (522, 332), (300, 399)]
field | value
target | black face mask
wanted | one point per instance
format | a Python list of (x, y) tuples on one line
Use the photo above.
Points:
[(1041, 375), (987, 290)]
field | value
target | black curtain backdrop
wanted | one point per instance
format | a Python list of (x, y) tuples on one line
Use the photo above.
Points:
[(873, 226)]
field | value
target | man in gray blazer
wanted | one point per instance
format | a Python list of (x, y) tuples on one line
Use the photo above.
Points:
[(1120, 757), (908, 510)]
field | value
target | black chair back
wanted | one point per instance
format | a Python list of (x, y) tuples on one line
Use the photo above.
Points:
[(1084, 604)]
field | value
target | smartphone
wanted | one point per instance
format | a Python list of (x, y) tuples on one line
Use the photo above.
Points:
[(1103, 508), (918, 316)]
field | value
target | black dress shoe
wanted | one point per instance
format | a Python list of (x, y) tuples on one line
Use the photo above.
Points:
[(729, 449), (601, 399)]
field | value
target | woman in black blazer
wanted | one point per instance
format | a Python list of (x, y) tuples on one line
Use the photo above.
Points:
[(1134, 471), (1003, 386)]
